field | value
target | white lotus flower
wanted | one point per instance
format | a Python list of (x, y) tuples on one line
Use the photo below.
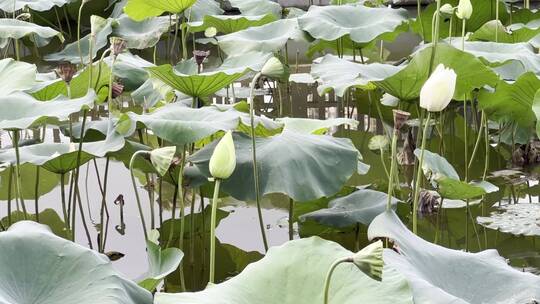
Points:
[(438, 90), (464, 9)]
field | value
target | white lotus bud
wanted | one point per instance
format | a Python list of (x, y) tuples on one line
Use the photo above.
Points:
[(370, 260), (273, 68), (464, 9), (438, 90), (223, 160)]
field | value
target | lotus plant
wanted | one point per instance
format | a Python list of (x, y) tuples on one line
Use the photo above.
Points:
[(435, 95), (222, 165)]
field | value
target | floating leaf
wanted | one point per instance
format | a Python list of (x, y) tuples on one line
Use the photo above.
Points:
[(258, 283), (360, 23), (30, 255), (456, 189), (517, 219), (452, 276), (325, 161), (359, 207)]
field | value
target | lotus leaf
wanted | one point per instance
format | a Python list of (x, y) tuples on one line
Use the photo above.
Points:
[(257, 7), (16, 75), (144, 34), (17, 29), (139, 10), (517, 219), (35, 5), (230, 23)]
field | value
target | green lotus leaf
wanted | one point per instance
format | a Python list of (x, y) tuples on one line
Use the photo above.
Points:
[(47, 217), (458, 190), (325, 161), (35, 5), (22, 111), (185, 79), (17, 29), (361, 24), (512, 101), (203, 8), (518, 219), (16, 76), (514, 33), (131, 70), (471, 73), (483, 11), (104, 27), (435, 165), (48, 181), (258, 283), (230, 23), (141, 35), (162, 158), (257, 7), (334, 73), (452, 276), (30, 255), (315, 126), (359, 207), (139, 10), (268, 38)]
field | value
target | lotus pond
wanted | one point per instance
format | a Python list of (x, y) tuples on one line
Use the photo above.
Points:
[(250, 151)]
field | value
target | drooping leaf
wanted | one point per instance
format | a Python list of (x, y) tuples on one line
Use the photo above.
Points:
[(139, 10), (267, 38), (517, 219), (227, 24), (141, 35), (471, 73), (31, 255), (104, 27), (22, 111), (334, 73), (435, 166), (512, 102), (452, 276), (35, 5), (161, 262), (325, 161), (360, 23), (16, 76), (17, 29), (359, 207), (258, 283)]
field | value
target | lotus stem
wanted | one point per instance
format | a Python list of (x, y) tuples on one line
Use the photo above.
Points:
[(10, 183), (384, 164), (254, 157), (329, 276), (478, 138), (77, 170), (111, 78), (103, 210), (36, 194), (213, 232), (182, 214), (392, 169), (18, 171), (63, 195), (79, 49), (419, 176), (183, 38), (291, 215), (463, 25), (138, 199), (497, 20)]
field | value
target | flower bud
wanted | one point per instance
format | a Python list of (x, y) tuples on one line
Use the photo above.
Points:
[(464, 9), (400, 118), (223, 160), (210, 32), (162, 159), (438, 90), (370, 260), (118, 45), (66, 71), (273, 68)]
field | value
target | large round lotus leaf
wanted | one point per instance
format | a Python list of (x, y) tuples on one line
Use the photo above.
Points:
[(40, 267), (445, 276), (139, 10), (203, 8), (17, 29), (47, 217), (512, 102), (518, 219), (294, 273), (230, 23), (332, 72), (435, 166), (22, 111), (184, 78), (361, 23), (512, 34), (35, 5), (47, 182), (141, 35), (471, 73), (315, 126), (103, 28), (304, 167), (16, 75), (359, 207), (257, 7), (267, 38)]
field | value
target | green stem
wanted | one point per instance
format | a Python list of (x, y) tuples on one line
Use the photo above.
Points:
[(254, 157), (419, 175), (478, 138), (291, 215), (36, 194), (17, 171), (392, 169), (213, 231), (79, 31), (111, 78), (463, 24), (141, 215), (329, 276)]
